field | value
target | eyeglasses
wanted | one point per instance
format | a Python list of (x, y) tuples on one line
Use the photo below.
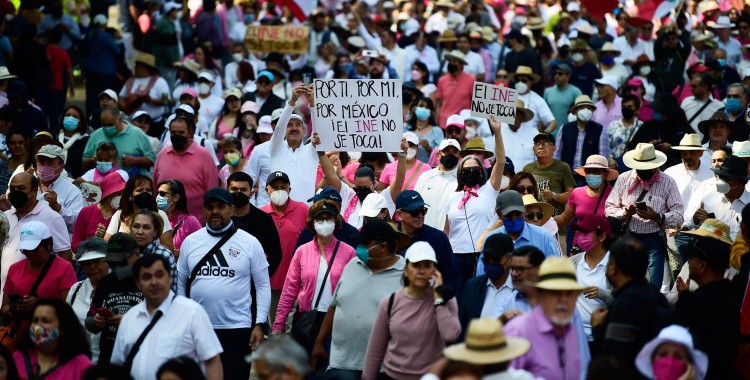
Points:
[(416, 213), (501, 75), (535, 215), (165, 193), (525, 189), (520, 268), (324, 218), (543, 144)]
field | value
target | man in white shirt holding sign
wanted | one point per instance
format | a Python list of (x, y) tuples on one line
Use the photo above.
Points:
[(217, 264)]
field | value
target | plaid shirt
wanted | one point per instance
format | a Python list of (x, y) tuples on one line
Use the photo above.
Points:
[(157, 249), (663, 196)]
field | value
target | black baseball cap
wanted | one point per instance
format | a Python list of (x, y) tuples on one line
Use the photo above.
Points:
[(409, 200), (326, 208), (498, 245), (545, 136), (278, 176), (218, 193), (377, 230), (327, 192), (120, 246)]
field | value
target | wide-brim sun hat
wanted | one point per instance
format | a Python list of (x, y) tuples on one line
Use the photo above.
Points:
[(671, 334), (475, 146), (526, 114), (644, 157), (713, 228), (529, 200), (486, 343), (691, 141), (457, 55), (525, 71), (716, 118), (596, 161), (557, 273), (741, 148)]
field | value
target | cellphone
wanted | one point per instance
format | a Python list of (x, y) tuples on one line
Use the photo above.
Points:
[(370, 53), (104, 312), (15, 298), (306, 79), (711, 215), (641, 206), (431, 282)]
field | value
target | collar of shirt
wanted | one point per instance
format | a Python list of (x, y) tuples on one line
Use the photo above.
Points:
[(151, 248), (525, 233), (744, 198), (190, 150), (399, 266), (507, 284), (545, 326), (34, 211), (164, 306), (603, 262)]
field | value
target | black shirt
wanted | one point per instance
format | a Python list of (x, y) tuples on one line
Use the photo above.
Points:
[(261, 225)]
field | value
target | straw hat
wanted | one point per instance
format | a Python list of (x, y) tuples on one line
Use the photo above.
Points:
[(521, 108), (718, 117), (741, 149), (596, 161), (529, 200), (557, 273), (486, 343), (723, 22), (644, 157), (524, 71), (458, 55), (609, 48), (691, 141), (476, 146), (671, 334), (582, 101), (448, 36), (189, 65), (146, 59), (713, 228), (535, 23)]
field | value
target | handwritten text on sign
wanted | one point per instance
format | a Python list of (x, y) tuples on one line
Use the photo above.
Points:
[(489, 100), (280, 39), (358, 115)]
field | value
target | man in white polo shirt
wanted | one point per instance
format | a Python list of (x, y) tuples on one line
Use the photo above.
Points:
[(438, 184)]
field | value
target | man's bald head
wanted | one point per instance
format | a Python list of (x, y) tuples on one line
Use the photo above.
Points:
[(25, 180)]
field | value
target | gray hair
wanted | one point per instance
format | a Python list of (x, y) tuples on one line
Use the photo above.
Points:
[(281, 351), (745, 89)]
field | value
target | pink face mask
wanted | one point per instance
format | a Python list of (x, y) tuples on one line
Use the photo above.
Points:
[(668, 368), (416, 75), (46, 173), (586, 241)]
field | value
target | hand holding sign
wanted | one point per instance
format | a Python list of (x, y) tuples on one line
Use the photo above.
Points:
[(489, 100)]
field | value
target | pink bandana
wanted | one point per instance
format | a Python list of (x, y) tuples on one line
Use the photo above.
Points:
[(645, 184), (468, 193)]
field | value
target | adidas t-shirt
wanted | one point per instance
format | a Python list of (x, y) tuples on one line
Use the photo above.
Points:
[(222, 285)]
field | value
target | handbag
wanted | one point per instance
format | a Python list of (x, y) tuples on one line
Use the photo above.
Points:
[(9, 334), (306, 324)]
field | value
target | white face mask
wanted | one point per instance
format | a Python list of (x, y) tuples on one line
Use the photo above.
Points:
[(324, 228), (411, 153), (204, 88), (584, 114), (115, 203), (522, 88), (722, 186), (470, 132), (237, 57), (645, 70), (577, 57), (279, 197)]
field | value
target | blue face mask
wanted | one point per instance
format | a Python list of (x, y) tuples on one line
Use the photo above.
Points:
[(494, 271), (733, 105), (722, 62), (70, 123), (162, 203), (110, 131), (363, 254), (657, 115), (249, 18), (422, 113), (607, 60), (514, 226), (593, 180), (103, 167)]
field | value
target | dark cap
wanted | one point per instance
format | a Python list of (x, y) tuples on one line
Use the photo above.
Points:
[(379, 231), (276, 176), (326, 208), (545, 136), (509, 167), (497, 245), (594, 222), (564, 67), (218, 193), (409, 200), (120, 246), (326, 192), (714, 252)]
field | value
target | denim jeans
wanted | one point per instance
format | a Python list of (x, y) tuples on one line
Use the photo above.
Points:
[(467, 269), (656, 257)]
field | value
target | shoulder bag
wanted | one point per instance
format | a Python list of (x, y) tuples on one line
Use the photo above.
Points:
[(213, 251)]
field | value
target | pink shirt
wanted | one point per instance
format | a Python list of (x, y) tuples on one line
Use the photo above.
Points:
[(72, 370), (583, 204), (182, 226), (194, 168), (86, 223), (289, 224), (302, 277), (455, 94), (410, 179)]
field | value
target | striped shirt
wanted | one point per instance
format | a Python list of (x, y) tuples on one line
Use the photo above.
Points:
[(663, 196)]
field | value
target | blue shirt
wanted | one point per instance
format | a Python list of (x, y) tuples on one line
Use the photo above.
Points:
[(72, 35), (531, 235)]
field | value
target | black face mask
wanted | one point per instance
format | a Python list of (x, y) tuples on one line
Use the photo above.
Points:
[(452, 68), (471, 176), (564, 51), (628, 113), (645, 174), (18, 198), (449, 161), (178, 142), (362, 192), (144, 200), (239, 199)]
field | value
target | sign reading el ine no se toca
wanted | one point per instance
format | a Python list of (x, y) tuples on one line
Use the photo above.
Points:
[(488, 100), (358, 115)]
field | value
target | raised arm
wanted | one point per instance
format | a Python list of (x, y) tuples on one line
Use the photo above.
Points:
[(398, 181), (496, 176)]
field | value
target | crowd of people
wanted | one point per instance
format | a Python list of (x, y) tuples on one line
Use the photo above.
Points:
[(185, 223)]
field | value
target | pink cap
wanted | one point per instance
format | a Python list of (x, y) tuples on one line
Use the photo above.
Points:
[(111, 184), (456, 120), (411, 138), (189, 91), (249, 106), (635, 82), (264, 125)]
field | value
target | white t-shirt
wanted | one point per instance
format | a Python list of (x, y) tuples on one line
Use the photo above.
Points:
[(210, 108), (590, 277), (160, 87), (519, 145), (81, 306), (468, 223), (436, 188), (259, 170), (222, 286), (116, 225), (327, 295)]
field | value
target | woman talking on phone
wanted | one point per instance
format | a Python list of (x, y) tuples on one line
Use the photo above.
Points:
[(413, 325)]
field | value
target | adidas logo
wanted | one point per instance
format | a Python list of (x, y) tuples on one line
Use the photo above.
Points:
[(216, 266)]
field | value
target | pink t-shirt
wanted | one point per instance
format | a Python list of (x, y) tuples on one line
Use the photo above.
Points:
[(182, 226), (289, 224), (584, 205), (73, 369), (410, 179), (86, 223)]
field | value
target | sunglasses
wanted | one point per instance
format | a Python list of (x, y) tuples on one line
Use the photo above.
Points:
[(594, 171), (165, 193), (535, 215), (525, 189), (416, 213), (263, 82)]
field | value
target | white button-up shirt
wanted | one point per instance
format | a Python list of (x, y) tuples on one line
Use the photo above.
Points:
[(436, 187), (301, 164), (717, 203), (586, 276), (69, 197), (689, 180), (519, 145), (691, 106), (538, 105), (496, 301), (631, 53), (183, 330)]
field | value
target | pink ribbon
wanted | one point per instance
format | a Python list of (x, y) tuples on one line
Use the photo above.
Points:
[(351, 207), (645, 184), (468, 193)]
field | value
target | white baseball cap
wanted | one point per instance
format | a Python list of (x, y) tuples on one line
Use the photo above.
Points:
[(420, 251), (187, 108), (456, 120), (373, 204), (264, 125), (276, 114), (573, 7), (449, 142), (32, 233), (111, 93), (608, 80), (206, 75), (411, 138), (138, 114)]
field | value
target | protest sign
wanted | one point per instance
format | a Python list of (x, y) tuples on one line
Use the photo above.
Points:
[(358, 115), (488, 100), (280, 39)]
